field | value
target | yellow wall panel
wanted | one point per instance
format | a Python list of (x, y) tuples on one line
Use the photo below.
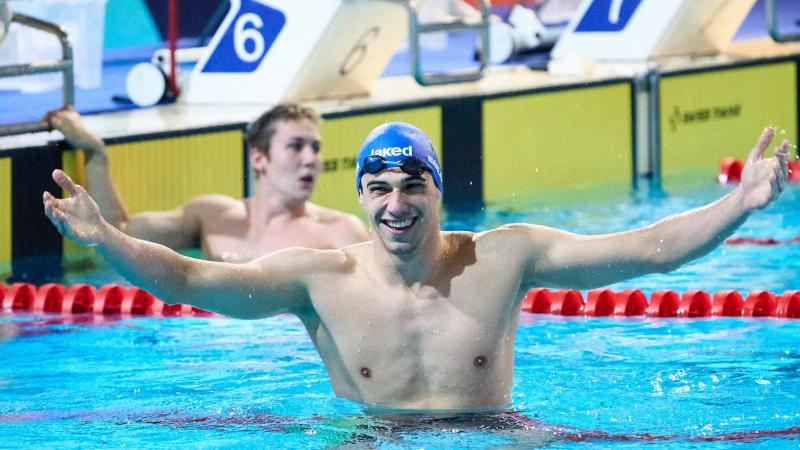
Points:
[(5, 216), (710, 115), (341, 140), (534, 145), (161, 174)]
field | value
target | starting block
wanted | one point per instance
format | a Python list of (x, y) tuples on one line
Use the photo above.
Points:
[(267, 51), (637, 31)]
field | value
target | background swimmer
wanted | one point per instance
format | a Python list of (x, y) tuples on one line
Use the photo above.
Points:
[(402, 322), (284, 146)]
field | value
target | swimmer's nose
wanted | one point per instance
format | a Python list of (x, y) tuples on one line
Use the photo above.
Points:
[(396, 204), (310, 158)]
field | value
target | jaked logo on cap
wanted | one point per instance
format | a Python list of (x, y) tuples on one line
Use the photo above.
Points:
[(393, 151)]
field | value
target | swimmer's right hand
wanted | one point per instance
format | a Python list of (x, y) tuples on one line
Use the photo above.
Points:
[(763, 179), (76, 217), (68, 122)]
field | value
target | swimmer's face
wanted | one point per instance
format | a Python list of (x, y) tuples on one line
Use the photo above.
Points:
[(403, 209), (293, 164)]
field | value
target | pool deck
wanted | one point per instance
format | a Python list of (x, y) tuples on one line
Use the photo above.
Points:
[(399, 91)]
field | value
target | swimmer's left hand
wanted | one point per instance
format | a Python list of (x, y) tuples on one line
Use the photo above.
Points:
[(69, 123), (763, 178), (76, 217)]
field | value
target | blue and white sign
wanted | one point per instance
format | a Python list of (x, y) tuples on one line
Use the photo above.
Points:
[(607, 15), (267, 51), (622, 36), (247, 39)]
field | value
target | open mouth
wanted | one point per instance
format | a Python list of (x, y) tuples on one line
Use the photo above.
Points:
[(400, 225), (307, 179)]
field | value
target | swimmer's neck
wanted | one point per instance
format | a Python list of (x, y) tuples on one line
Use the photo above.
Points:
[(421, 265), (267, 205)]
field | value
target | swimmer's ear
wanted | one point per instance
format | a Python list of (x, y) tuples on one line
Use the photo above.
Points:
[(258, 161), (361, 199)]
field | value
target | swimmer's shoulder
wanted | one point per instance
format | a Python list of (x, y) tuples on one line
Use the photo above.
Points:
[(328, 215), (213, 203), (349, 228), (212, 208), (514, 238)]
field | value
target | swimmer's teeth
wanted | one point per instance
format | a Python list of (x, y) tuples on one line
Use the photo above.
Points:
[(399, 223)]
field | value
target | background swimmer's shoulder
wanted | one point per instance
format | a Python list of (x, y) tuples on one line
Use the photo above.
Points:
[(213, 205), (328, 215), (348, 229)]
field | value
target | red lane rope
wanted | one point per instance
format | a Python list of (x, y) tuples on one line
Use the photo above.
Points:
[(110, 299), (665, 303), (761, 241), (114, 299)]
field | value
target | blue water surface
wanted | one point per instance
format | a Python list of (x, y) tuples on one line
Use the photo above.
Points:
[(94, 382)]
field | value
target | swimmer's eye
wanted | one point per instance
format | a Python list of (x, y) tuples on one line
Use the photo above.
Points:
[(298, 144), (379, 190), (416, 186)]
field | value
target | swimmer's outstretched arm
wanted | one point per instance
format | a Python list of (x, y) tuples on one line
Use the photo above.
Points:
[(98, 176), (560, 259), (177, 229), (270, 285)]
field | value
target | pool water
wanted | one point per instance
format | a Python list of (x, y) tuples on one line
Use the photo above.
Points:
[(92, 382)]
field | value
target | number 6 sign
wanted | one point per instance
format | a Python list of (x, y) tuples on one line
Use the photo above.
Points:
[(267, 51)]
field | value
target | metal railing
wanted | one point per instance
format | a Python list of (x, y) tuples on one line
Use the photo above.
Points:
[(65, 66), (416, 29)]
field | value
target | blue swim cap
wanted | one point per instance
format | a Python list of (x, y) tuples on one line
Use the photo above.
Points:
[(397, 142)]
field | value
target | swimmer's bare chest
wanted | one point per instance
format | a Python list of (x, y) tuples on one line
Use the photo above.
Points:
[(426, 349), (232, 239)]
